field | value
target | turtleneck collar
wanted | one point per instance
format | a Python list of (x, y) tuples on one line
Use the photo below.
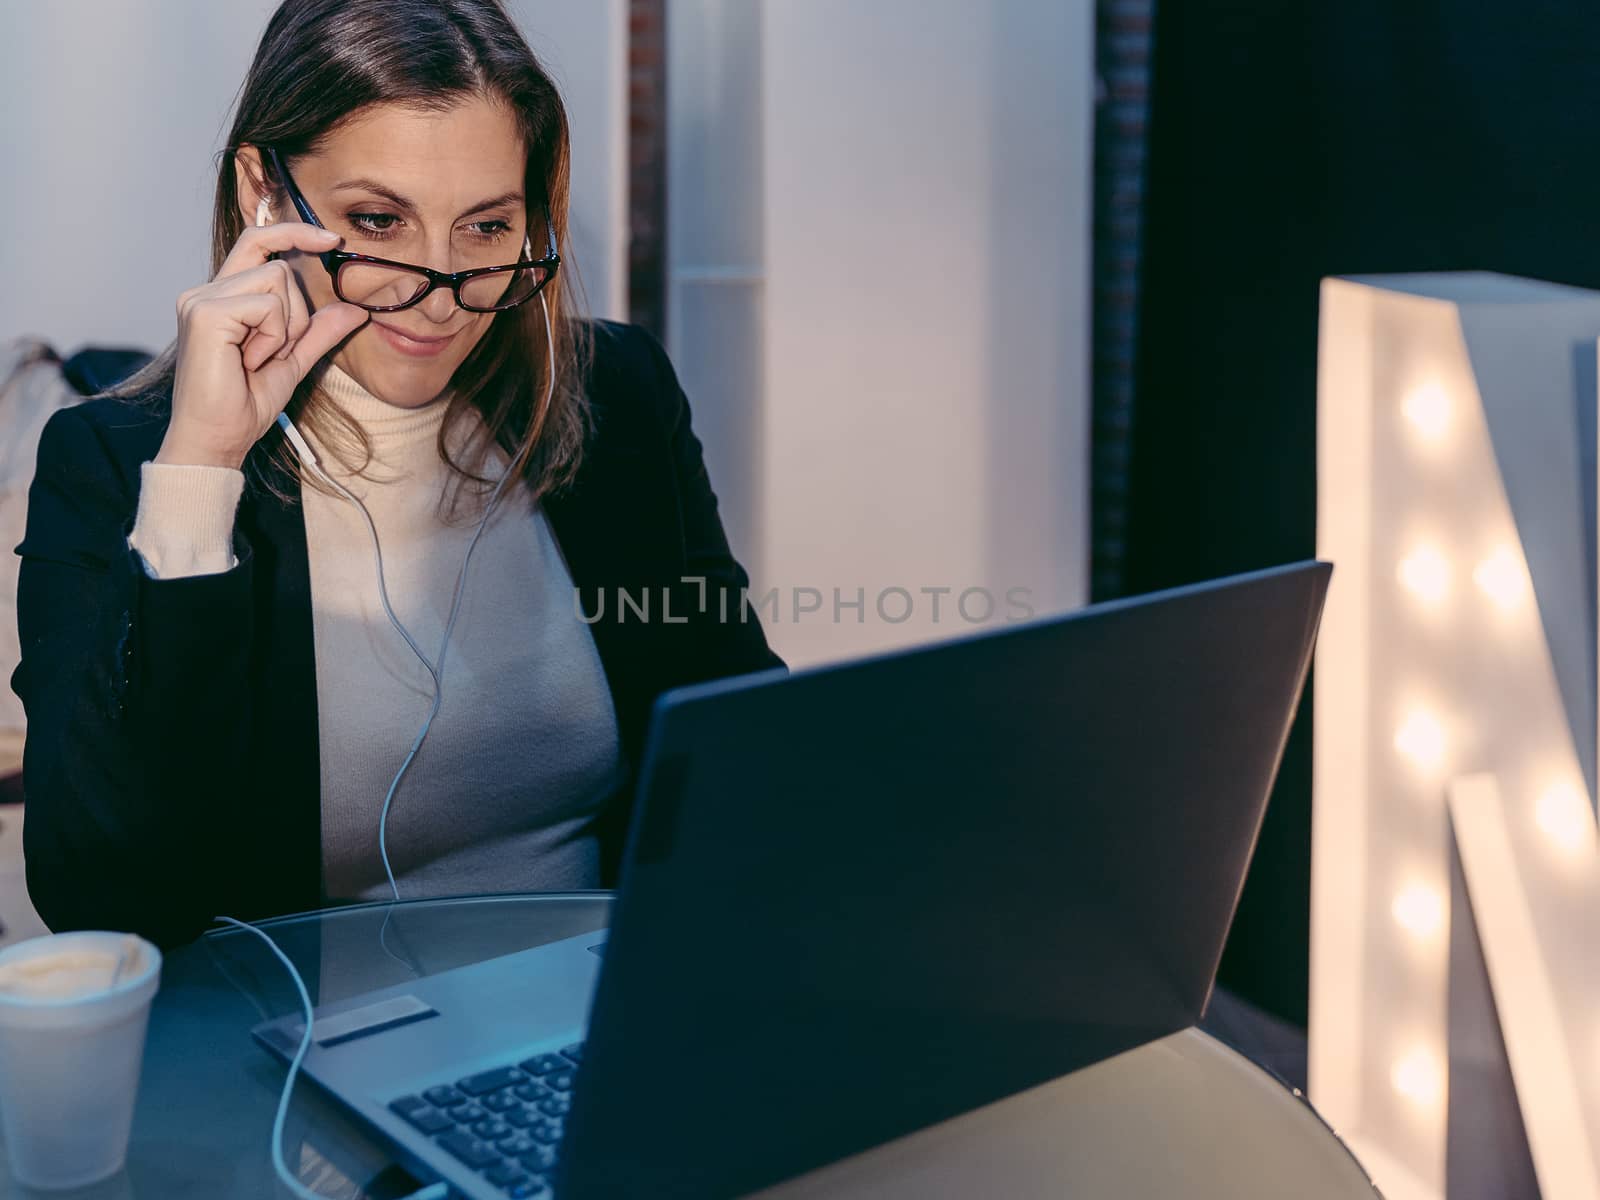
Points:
[(401, 438), (377, 416)]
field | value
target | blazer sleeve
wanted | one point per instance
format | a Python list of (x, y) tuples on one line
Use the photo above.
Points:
[(137, 704), (723, 633)]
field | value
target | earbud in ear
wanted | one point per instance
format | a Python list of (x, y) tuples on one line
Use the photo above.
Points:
[(263, 211)]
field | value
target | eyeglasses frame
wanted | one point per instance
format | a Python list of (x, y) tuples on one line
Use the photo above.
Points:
[(334, 260)]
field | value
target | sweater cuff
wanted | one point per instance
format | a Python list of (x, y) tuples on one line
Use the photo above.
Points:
[(184, 525)]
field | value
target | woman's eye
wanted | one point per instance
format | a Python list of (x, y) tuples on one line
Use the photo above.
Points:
[(380, 225), (376, 224)]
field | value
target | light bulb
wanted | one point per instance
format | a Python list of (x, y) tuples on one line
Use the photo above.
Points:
[(1419, 909), (1421, 739), (1501, 577), (1425, 573), (1417, 1078), (1564, 817), (1428, 409)]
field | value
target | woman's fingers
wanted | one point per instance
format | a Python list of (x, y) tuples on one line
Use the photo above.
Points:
[(299, 316), (275, 382), (253, 321), (272, 320), (329, 326), (259, 243), (245, 340), (275, 338)]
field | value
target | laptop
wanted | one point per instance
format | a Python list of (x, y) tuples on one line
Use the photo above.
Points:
[(857, 900)]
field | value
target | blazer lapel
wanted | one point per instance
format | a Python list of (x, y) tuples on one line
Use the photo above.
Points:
[(286, 734), (609, 525)]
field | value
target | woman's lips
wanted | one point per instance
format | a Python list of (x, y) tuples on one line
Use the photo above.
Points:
[(406, 343)]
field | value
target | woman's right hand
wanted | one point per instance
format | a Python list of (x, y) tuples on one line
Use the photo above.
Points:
[(245, 341)]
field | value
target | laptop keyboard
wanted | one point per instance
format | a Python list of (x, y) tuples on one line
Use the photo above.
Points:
[(505, 1123)]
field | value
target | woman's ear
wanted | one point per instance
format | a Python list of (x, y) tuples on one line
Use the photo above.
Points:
[(250, 182)]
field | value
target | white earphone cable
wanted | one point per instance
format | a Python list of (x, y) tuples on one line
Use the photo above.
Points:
[(436, 674)]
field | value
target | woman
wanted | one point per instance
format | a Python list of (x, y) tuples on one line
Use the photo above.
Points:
[(227, 670)]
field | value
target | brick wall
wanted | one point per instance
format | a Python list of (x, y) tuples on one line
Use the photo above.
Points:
[(1122, 55), (647, 164)]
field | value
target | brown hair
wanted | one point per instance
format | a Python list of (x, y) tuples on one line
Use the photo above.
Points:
[(318, 64)]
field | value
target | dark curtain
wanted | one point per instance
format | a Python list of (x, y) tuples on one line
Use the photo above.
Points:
[(1290, 140)]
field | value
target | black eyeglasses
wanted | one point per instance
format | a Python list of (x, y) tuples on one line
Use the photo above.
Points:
[(383, 285)]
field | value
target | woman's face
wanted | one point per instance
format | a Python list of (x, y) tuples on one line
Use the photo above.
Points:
[(438, 189)]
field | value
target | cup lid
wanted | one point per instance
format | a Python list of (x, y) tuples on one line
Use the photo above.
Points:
[(145, 963)]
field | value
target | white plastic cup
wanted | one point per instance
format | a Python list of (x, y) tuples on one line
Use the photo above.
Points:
[(69, 1066)]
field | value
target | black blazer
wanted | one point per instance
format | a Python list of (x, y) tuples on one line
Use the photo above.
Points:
[(171, 771)]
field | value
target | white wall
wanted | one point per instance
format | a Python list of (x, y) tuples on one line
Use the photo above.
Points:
[(584, 46), (715, 274), (880, 257), (110, 119)]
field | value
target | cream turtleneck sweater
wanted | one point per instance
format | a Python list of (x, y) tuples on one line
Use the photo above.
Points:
[(524, 750)]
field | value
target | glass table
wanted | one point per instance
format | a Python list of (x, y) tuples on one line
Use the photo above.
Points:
[(1183, 1115)]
